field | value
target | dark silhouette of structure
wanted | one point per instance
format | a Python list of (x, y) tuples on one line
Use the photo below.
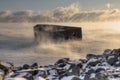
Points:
[(56, 32)]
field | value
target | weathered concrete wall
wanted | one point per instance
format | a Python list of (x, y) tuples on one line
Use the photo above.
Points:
[(43, 32)]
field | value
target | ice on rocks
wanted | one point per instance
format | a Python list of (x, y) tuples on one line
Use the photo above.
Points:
[(92, 75), (95, 67)]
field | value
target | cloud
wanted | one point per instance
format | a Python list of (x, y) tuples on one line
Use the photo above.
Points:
[(71, 13), (108, 5), (64, 13)]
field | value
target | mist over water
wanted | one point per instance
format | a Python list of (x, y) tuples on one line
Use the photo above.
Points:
[(17, 42)]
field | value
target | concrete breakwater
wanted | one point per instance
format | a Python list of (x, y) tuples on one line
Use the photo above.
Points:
[(44, 32)]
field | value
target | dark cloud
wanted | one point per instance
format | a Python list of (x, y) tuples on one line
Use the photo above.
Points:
[(70, 13)]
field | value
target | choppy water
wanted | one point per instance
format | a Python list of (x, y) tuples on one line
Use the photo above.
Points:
[(17, 42)]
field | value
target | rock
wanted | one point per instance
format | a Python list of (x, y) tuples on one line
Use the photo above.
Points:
[(112, 60), (42, 73), (116, 52), (83, 60), (89, 56), (26, 66), (87, 77), (93, 63), (100, 76), (28, 76), (62, 73), (40, 78), (75, 69), (6, 67), (95, 67), (17, 68), (17, 79), (35, 65), (107, 52), (75, 78), (99, 70), (62, 62), (35, 72), (70, 78), (117, 64), (90, 71), (92, 76)]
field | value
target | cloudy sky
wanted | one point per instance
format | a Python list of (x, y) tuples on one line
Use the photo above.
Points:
[(59, 10), (16, 5)]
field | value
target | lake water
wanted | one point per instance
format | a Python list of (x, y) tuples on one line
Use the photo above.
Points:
[(17, 42)]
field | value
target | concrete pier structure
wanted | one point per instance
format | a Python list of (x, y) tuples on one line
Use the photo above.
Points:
[(43, 32)]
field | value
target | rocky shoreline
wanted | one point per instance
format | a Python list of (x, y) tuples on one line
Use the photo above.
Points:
[(95, 67)]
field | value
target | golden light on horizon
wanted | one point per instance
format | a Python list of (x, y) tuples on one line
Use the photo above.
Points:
[(108, 5)]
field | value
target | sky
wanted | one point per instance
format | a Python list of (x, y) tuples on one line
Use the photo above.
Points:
[(59, 10), (38, 5)]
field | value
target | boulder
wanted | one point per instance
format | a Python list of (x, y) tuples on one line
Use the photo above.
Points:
[(26, 66), (34, 65), (112, 60), (6, 67), (116, 52), (89, 56), (107, 52), (62, 62), (100, 76), (87, 77)]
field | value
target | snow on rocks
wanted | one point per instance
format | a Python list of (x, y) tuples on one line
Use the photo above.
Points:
[(95, 67)]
